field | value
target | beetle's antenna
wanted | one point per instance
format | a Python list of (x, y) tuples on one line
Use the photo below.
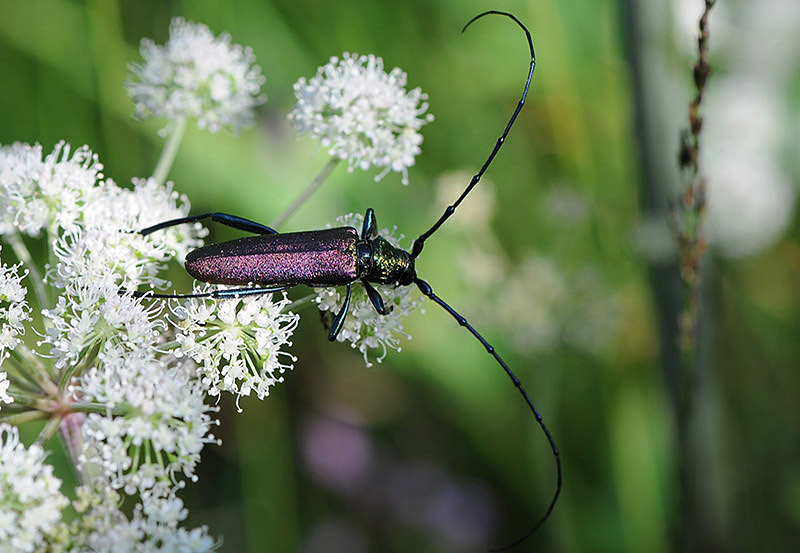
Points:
[(426, 290), (419, 243)]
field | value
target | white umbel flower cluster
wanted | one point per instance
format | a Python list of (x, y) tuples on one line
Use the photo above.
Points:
[(165, 426), (364, 327), (51, 192), (198, 75), (131, 403), (362, 114), (151, 528), (31, 501), (237, 341)]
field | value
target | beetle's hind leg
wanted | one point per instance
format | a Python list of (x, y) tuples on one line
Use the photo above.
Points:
[(226, 219), (216, 294)]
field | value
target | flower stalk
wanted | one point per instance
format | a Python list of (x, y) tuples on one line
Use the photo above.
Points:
[(690, 215), (169, 152), (22, 253), (306, 194)]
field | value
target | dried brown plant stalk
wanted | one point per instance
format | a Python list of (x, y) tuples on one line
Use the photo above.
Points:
[(690, 213)]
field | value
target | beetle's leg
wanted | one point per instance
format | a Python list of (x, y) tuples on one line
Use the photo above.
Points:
[(217, 294), (338, 320), (369, 229), (375, 298), (226, 219)]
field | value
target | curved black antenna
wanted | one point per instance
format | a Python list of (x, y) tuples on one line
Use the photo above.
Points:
[(419, 243), (427, 291)]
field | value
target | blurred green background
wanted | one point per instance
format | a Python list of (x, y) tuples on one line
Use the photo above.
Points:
[(560, 259)]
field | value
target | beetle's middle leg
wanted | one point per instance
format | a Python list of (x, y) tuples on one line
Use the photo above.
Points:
[(338, 320)]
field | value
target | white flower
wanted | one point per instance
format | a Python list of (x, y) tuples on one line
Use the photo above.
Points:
[(750, 195), (362, 114), (540, 306), (476, 211), (156, 424), (196, 74), (14, 313), (151, 528), (101, 256), (106, 252), (364, 327), (4, 384), (30, 498), (237, 341), (38, 194)]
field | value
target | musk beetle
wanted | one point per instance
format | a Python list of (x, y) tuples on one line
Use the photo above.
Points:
[(273, 261)]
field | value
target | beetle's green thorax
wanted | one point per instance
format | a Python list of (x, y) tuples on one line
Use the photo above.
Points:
[(390, 265)]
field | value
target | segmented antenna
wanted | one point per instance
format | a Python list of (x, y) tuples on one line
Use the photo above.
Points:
[(419, 243), (427, 291)]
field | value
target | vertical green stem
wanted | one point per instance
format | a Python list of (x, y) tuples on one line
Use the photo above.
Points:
[(307, 193), (17, 419), (49, 430), (22, 253), (169, 152)]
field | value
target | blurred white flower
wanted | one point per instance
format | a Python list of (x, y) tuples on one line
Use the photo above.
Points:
[(151, 528), (760, 36), (475, 213), (30, 498), (364, 327), (362, 114), (529, 303), (237, 341), (564, 205), (746, 138), (196, 74), (542, 306), (750, 196)]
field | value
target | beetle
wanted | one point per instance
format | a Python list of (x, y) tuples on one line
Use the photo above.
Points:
[(341, 256)]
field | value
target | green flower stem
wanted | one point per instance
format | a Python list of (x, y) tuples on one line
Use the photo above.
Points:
[(22, 253), (303, 302), (18, 373), (77, 369), (169, 152), (169, 346), (38, 371), (24, 400), (49, 430), (89, 407), (21, 418), (307, 193)]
